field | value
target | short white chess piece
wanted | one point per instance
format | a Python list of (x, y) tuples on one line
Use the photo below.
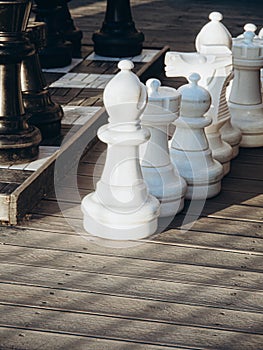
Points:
[(245, 99), (161, 177), (121, 207), (214, 71), (189, 150), (260, 34)]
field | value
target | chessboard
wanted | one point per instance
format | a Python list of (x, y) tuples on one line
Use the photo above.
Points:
[(78, 88)]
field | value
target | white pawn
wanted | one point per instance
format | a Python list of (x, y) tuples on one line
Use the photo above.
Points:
[(162, 179), (260, 34), (213, 35), (214, 71), (189, 151), (245, 99), (121, 208)]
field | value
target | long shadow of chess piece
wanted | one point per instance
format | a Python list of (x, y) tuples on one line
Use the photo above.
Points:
[(118, 36)]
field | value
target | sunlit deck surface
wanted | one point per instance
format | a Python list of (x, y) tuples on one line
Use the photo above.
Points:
[(197, 285)]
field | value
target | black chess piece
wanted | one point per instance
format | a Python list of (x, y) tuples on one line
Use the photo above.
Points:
[(44, 113), (68, 29), (57, 52), (118, 36), (18, 141)]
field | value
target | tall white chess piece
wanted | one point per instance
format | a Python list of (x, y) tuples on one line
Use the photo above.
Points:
[(245, 99), (214, 38), (121, 208), (162, 178), (189, 150)]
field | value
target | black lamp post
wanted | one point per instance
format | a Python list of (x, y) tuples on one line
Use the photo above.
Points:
[(18, 141), (118, 36)]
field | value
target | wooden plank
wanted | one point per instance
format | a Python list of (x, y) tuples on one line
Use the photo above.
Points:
[(128, 307), (127, 329), (144, 258), (21, 338)]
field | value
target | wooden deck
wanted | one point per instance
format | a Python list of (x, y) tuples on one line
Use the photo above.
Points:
[(198, 285)]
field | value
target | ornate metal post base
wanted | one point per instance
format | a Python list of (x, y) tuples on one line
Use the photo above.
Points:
[(118, 36), (57, 52), (68, 28), (18, 141), (45, 114)]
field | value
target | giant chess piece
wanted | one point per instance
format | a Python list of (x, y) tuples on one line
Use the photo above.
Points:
[(44, 113), (121, 207), (214, 71), (189, 150), (18, 141), (67, 27), (214, 38), (118, 36), (161, 177), (245, 100), (57, 52)]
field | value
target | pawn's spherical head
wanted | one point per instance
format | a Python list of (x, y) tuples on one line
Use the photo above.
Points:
[(125, 65), (215, 16), (196, 100), (194, 78), (153, 86)]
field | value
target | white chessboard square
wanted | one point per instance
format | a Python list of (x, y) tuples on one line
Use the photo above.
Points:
[(82, 80), (66, 69), (78, 115), (45, 152), (146, 56)]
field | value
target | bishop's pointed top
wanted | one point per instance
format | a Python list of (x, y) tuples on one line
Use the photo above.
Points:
[(213, 34)]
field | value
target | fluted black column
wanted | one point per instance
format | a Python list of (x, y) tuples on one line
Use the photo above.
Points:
[(118, 36)]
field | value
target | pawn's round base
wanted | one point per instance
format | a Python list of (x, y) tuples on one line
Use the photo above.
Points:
[(105, 223), (56, 56), (202, 173), (20, 148), (110, 45)]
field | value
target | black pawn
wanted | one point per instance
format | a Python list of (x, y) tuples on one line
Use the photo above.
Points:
[(44, 113), (118, 36), (57, 52), (18, 141)]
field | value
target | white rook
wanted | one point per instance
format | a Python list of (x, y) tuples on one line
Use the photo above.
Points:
[(190, 152), (245, 100), (162, 179), (121, 208)]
